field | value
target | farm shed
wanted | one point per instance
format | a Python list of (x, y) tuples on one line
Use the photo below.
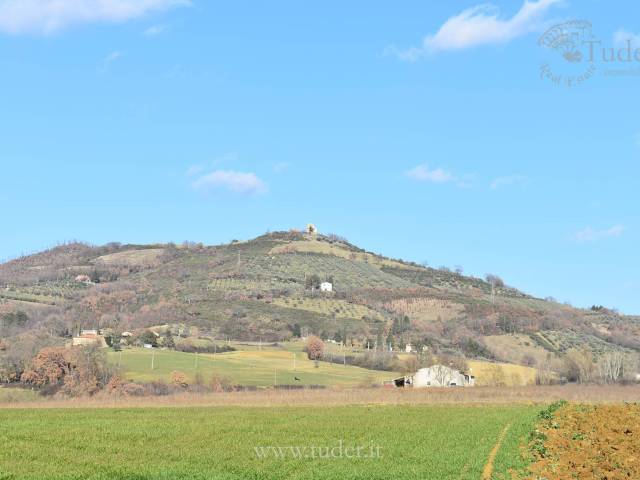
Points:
[(326, 287), (436, 376)]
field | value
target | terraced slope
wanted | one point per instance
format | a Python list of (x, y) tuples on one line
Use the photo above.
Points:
[(265, 289)]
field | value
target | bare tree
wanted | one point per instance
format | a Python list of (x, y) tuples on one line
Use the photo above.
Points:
[(442, 375), (580, 366), (611, 367)]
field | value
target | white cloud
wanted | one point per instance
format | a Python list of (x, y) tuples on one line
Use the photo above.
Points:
[(154, 30), (622, 36), (507, 181), (422, 173), (49, 16), (236, 182), (590, 234), (479, 25)]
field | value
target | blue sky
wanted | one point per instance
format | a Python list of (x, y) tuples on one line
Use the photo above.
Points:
[(421, 130)]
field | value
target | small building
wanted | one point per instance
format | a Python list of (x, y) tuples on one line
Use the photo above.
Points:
[(408, 348), (326, 287), (436, 376)]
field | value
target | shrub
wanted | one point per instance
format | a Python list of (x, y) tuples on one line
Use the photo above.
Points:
[(179, 379), (132, 390), (145, 337), (189, 347), (158, 387), (473, 348), (220, 383), (384, 361)]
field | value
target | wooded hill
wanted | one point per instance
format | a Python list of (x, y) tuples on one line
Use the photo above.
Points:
[(267, 289)]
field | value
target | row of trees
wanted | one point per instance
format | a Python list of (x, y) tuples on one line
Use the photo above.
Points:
[(582, 367)]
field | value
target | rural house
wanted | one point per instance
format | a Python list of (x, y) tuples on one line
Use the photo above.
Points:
[(326, 287), (436, 376)]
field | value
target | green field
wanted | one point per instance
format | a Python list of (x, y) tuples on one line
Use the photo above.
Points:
[(417, 442), (249, 367)]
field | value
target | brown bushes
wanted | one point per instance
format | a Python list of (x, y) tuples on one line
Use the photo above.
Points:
[(75, 372)]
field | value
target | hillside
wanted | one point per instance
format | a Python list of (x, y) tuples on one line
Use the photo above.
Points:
[(266, 289)]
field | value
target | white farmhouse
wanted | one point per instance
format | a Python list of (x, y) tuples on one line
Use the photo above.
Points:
[(326, 287), (436, 376)]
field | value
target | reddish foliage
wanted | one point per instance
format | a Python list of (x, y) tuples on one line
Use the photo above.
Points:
[(75, 371), (315, 348)]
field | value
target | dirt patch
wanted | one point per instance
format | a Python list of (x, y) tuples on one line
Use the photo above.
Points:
[(588, 442)]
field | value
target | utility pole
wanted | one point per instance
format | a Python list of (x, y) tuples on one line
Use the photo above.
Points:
[(153, 358), (294, 361)]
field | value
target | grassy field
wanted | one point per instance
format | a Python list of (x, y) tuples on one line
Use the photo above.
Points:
[(249, 367), (412, 442)]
